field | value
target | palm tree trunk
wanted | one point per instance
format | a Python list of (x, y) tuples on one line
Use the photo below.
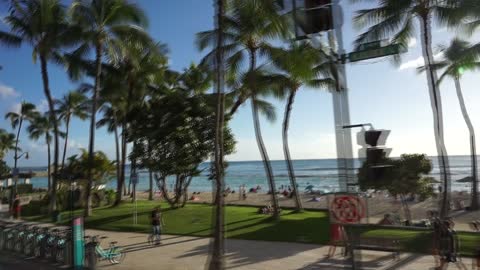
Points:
[(473, 148), (53, 118), (13, 191), (67, 127), (121, 182), (261, 145), (91, 144), (265, 159), (150, 176), (48, 167), (436, 103), (286, 150), (217, 261), (117, 156)]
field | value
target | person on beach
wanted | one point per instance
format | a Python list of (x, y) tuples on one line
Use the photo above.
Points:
[(386, 220), (449, 246), (157, 221)]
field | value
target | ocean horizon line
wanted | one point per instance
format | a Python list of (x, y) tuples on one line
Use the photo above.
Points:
[(250, 161)]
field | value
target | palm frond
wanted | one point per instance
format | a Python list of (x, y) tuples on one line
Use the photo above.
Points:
[(266, 109)]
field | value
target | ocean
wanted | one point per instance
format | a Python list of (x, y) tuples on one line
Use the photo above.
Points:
[(321, 173)]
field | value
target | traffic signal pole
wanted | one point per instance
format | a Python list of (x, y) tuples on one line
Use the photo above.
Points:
[(341, 109)]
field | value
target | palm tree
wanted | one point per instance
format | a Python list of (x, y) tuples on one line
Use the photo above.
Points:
[(249, 25), (39, 127), (217, 261), (302, 65), (27, 112), (73, 104), (7, 142), (457, 60), (395, 19), (105, 22), (142, 66), (43, 25), (111, 122)]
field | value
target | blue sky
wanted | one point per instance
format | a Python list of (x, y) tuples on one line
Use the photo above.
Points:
[(388, 96)]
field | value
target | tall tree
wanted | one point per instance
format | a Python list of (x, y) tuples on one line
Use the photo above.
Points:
[(302, 65), (395, 20), (249, 26), (456, 60), (43, 25), (111, 122), (104, 22), (217, 260), (40, 127), (73, 104), (27, 112)]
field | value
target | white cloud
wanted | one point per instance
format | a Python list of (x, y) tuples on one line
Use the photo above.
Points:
[(42, 106), (418, 62), (7, 92), (72, 143), (16, 107), (412, 43)]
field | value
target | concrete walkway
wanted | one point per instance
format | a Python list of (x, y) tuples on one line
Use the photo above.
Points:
[(185, 253), (191, 253)]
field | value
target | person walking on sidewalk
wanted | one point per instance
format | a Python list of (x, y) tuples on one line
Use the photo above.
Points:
[(449, 246), (16, 207), (157, 222)]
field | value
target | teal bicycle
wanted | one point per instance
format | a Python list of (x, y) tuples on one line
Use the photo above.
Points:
[(113, 253)]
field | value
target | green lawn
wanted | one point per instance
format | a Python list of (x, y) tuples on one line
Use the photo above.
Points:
[(245, 223), (196, 219), (419, 241)]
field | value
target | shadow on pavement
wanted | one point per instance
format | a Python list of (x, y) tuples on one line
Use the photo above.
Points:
[(383, 262)]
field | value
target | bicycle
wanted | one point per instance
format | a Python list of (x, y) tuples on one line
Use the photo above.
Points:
[(39, 241), (113, 253), (29, 240), (61, 246)]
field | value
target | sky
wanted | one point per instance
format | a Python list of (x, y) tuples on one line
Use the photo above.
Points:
[(393, 97)]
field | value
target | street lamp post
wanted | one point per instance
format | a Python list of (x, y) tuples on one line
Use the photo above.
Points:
[(15, 172)]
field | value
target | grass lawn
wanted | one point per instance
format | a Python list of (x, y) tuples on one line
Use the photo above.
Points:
[(419, 241), (244, 223), (196, 220)]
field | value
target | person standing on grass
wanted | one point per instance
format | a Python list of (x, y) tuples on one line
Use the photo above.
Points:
[(157, 222)]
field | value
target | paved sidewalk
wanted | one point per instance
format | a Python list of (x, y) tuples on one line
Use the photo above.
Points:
[(188, 253), (191, 253)]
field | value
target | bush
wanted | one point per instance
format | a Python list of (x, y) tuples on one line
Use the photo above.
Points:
[(35, 207), (98, 196), (110, 195)]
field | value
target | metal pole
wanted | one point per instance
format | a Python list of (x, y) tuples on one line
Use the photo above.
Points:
[(341, 107)]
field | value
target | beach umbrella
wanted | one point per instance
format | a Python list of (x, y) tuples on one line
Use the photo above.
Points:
[(433, 180), (467, 179)]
